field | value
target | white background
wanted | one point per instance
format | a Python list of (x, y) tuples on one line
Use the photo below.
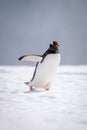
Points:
[(64, 107)]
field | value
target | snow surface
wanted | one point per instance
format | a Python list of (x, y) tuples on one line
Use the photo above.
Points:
[(64, 107)]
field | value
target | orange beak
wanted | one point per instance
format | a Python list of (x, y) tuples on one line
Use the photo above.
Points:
[(57, 45)]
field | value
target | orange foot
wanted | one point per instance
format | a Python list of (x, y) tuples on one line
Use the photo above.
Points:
[(47, 86), (31, 88), (47, 89)]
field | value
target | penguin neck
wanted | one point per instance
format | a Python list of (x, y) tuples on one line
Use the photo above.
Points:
[(54, 51), (50, 52)]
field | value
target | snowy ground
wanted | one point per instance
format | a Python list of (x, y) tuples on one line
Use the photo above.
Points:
[(64, 107)]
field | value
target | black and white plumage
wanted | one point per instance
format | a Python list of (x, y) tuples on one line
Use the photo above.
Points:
[(46, 67)]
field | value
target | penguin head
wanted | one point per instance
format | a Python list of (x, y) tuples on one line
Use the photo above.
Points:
[(55, 43), (54, 46)]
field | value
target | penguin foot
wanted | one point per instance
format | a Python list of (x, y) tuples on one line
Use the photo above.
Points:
[(47, 89), (31, 88), (47, 86)]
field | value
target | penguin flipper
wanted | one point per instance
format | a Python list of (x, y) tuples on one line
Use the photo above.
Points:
[(34, 58)]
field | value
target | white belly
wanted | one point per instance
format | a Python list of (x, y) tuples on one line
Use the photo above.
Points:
[(46, 71)]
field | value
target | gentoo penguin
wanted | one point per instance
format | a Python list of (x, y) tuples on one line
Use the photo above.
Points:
[(46, 67)]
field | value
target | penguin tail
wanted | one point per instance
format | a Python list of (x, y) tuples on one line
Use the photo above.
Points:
[(27, 83)]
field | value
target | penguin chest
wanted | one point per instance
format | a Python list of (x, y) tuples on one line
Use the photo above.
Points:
[(46, 70)]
